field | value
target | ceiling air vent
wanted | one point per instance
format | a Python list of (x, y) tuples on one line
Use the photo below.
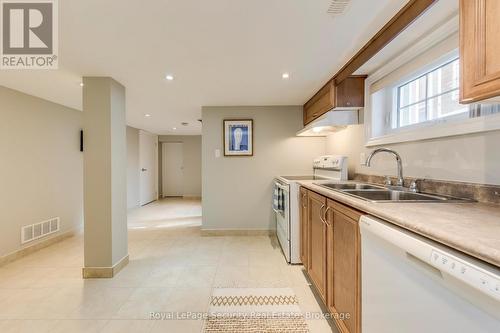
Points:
[(338, 7)]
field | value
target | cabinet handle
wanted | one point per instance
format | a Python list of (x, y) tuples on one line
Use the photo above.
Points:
[(324, 215), (321, 214)]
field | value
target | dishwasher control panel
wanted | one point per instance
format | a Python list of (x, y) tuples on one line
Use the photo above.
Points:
[(472, 275)]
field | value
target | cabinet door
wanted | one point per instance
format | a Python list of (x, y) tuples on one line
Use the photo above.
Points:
[(479, 50), (330, 292), (303, 227), (317, 242), (320, 103), (350, 93), (346, 271)]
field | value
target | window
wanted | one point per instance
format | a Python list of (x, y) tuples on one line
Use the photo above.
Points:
[(431, 96), (419, 100)]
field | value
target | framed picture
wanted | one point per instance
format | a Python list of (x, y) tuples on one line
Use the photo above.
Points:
[(238, 137)]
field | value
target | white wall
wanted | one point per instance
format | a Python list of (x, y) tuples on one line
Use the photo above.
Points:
[(41, 169), (471, 158), (237, 190), (192, 162), (133, 197)]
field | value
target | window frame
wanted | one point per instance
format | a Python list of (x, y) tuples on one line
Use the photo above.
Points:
[(451, 126), (427, 98)]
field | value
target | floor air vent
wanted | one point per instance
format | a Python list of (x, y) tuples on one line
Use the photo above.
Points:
[(38, 230), (338, 7)]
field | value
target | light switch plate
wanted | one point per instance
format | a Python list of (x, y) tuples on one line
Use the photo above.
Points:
[(217, 153)]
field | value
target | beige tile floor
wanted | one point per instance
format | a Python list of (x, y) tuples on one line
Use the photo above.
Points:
[(172, 269)]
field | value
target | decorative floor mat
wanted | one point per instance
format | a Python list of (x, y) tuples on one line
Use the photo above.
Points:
[(254, 310)]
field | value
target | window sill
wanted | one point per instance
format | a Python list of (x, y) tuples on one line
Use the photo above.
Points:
[(440, 130)]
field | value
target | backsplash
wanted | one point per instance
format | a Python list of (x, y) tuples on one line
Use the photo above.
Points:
[(479, 192)]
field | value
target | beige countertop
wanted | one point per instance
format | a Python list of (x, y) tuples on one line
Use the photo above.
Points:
[(472, 228)]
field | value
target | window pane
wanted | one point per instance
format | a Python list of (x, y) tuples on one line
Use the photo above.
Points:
[(413, 114), (443, 79), (412, 92), (445, 105)]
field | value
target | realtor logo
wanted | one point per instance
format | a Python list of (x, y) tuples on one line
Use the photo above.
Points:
[(29, 34)]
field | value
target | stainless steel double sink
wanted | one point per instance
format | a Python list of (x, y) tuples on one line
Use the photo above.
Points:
[(376, 193)]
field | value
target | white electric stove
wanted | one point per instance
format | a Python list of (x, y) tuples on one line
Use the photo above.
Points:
[(325, 169)]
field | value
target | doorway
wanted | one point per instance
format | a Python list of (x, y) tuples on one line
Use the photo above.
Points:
[(148, 157), (172, 169)]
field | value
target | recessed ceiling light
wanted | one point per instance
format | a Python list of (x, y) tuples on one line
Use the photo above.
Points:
[(147, 115), (81, 84), (285, 76), (169, 77), (174, 128)]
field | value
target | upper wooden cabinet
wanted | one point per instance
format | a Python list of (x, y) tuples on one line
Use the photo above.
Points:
[(348, 94), (320, 103), (479, 50)]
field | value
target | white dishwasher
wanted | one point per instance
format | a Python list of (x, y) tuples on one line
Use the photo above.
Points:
[(411, 284)]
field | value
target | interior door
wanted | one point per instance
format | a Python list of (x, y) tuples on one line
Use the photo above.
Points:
[(148, 157), (173, 169)]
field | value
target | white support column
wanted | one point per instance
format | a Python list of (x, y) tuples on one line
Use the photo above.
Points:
[(104, 178)]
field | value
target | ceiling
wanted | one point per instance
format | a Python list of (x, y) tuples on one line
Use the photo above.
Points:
[(220, 52)]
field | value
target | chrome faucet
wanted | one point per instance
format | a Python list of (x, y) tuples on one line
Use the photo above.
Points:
[(398, 159)]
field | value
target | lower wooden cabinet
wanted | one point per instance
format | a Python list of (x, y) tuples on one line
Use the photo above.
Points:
[(303, 227), (334, 258), (316, 268), (345, 279), (330, 258)]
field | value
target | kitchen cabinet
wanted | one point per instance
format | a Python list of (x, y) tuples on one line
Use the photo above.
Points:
[(330, 257), (334, 257), (479, 50), (303, 227), (316, 261), (346, 261), (348, 94), (320, 103)]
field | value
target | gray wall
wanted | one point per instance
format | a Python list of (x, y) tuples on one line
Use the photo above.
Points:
[(133, 197), (237, 190), (41, 172), (192, 162), (469, 158)]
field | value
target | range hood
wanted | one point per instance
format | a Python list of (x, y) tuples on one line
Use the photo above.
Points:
[(330, 122)]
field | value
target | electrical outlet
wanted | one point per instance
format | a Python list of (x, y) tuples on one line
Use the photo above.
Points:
[(362, 158), (217, 153)]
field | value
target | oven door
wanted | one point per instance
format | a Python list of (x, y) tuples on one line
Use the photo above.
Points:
[(283, 221)]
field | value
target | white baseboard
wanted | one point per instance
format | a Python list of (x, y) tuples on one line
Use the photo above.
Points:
[(38, 245), (237, 232), (104, 272)]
